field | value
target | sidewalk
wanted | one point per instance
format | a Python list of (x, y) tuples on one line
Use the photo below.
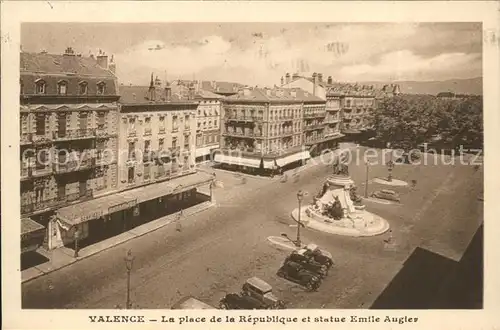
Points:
[(62, 257)]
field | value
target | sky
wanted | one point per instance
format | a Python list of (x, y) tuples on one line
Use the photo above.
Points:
[(261, 53)]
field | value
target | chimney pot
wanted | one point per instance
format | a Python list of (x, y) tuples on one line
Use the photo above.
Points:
[(330, 80), (102, 60)]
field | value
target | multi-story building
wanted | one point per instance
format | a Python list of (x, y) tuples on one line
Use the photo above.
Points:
[(68, 122), (155, 165), (262, 130), (207, 117)]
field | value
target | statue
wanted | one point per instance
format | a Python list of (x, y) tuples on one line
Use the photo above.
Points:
[(354, 196), (334, 210), (339, 168)]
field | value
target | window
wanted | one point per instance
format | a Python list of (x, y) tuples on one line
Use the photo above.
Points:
[(101, 88), (40, 87), (101, 120), (147, 145), (131, 123), (131, 175), (174, 123), (82, 88), (161, 143), (62, 88), (174, 142), (215, 123), (147, 171), (147, 120), (131, 150), (40, 124)]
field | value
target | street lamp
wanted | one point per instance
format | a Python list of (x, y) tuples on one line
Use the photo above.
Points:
[(390, 164), (300, 197), (77, 237), (366, 180), (129, 259)]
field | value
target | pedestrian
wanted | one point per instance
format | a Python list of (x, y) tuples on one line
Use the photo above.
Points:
[(178, 224)]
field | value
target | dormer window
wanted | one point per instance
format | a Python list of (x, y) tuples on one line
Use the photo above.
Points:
[(40, 86), (62, 87), (101, 87), (82, 88)]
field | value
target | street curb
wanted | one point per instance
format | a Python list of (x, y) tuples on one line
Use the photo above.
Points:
[(186, 214)]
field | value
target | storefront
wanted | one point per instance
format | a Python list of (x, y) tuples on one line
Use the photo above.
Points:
[(239, 163), (111, 215), (330, 143), (293, 160), (32, 235)]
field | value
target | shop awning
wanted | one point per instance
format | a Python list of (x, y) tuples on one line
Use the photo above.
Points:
[(269, 164), (351, 131), (200, 152), (30, 226), (293, 158), (98, 207), (32, 235), (234, 160)]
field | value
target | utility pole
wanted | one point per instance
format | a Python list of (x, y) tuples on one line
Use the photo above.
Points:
[(366, 179)]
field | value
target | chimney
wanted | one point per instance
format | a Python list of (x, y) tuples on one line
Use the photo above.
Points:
[(287, 76), (191, 92), (246, 91), (112, 65), (320, 77), (68, 59), (102, 60), (293, 93), (282, 80), (330, 80), (315, 83), (168, 91), (295, 76), (214, 85)]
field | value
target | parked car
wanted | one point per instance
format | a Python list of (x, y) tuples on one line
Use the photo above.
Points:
[(259, 289), (321, 256), (407, 158), (191, 303), (296, 273), (387, 194), (307, 261), (238, 301)]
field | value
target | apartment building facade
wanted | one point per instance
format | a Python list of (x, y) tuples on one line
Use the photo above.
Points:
[(262, 130), (68, 118)]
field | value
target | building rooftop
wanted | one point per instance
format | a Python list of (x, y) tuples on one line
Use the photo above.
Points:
[(273, 95), (142, 95), (40, 63)]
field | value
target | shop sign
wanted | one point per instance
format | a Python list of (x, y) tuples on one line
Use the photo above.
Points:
[(122, 206), (91, 216)]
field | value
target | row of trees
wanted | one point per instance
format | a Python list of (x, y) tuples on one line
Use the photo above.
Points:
[(409, 120)]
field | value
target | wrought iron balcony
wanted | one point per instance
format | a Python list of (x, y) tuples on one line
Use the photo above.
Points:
[(74, 165), (26, 139), (30, 207), (83, 133), (41, 139)]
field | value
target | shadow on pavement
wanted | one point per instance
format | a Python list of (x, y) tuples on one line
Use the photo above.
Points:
[(32, 259), (431, 281)]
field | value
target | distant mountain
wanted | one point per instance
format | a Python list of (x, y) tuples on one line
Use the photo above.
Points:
[(457, 86)]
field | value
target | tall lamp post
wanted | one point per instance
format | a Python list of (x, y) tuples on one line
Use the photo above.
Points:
[(300, 197), (366, 179), (129, 259), (390, 164), (77, 237)]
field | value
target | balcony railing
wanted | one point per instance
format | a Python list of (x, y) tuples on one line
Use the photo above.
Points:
[(30, 207), (26, 138), (161, 130), (147, 131), (315, 115), (313, 127), (40, 139), (83, 133), (132, 133), (243, 118), (73, 166)]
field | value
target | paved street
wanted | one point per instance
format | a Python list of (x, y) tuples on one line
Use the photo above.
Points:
[(219, 248)]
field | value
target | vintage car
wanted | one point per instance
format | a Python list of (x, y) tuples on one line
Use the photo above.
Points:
[(321, 256), (387, 194), (307, 261), (259, 289), (407, 158), (239, 301), (191, 303), (296, 273)]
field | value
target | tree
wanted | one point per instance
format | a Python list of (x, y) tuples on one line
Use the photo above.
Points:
[(409, 120)]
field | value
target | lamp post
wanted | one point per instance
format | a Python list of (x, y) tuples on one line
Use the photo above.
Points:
[(300, 197), (129, 259), (77, 237), (390, 164), (366, 179)]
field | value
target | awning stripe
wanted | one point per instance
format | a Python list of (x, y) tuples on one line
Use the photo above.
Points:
[(242, 161), (293, 158)]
